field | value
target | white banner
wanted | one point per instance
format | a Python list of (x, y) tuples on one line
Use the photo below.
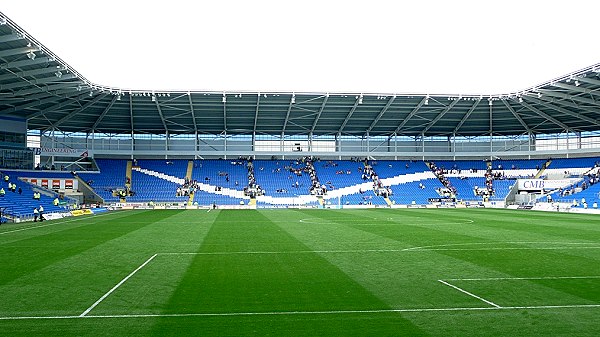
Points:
[(541, 184), (530, 184)]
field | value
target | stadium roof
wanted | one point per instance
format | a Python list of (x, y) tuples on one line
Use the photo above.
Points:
[(37, 85)]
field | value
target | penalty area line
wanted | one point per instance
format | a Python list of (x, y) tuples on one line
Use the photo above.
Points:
[(470, 294), (116, 286)]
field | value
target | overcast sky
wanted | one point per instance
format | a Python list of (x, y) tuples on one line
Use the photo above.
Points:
[(435, 47)]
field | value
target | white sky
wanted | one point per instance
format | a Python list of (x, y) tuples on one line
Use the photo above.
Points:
[(370, 46)]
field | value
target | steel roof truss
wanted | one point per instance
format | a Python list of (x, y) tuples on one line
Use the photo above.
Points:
[(287, 117), (510, 108), (356, 103), (10, 37), (160, 113), (381, 113), (26, 62), (545, 116), (193, 113), (33, 72), (410, 115), (573, 88), (439, 116), (256, 112), (564, 111), (82, 108), (568, 97), (66, 102), (314, 125)]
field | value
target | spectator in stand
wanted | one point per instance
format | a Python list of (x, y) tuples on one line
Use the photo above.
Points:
[(2, 192)]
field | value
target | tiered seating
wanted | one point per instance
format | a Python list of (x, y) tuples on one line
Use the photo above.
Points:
[(392, 168), (501, 189), (366, 198), (408, 192), (205, 198), (279, 183), (463, 165), (148, 187), (22, 205), (236, 170), (335, 173), (112, 176), (574, 162), (273, 176), (465, 187), (518, 164)]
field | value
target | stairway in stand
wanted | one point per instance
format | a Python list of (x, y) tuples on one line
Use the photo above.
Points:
[(543, 168), (127, 180), (188, 176)]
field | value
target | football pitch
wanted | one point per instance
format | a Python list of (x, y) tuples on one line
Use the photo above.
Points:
[(375, 272)]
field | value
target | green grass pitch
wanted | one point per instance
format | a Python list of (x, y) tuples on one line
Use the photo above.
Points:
[(376, 272)]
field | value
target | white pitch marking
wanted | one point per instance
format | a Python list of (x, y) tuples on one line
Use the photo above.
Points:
[(331, 312), (284, 252), (372, 250), (470, 294), (318, 221), (494, 243), (117, 286), (503, 248), (50, 224), (525, 278)]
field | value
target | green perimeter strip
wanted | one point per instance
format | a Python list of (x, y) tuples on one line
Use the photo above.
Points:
[(250, 283), (26, 226), (26, 256)]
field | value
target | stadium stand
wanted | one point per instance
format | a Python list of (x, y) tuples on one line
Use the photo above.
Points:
[(21, 205), (287, 182)]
